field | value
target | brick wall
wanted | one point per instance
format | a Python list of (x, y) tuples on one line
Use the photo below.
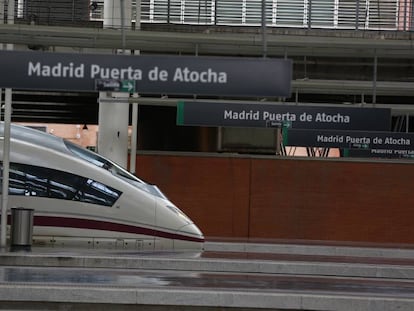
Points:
[(238, 197)]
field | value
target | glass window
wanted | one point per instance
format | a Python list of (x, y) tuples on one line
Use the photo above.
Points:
[(16, 182), (114, 168), (37, 181), (97, 193), (36, 185)]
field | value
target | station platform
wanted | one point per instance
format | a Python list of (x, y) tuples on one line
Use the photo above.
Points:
[(225, 276)]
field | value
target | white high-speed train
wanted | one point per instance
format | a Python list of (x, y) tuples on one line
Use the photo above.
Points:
[(82, 198)]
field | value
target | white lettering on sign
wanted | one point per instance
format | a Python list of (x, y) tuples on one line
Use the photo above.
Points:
[(129, 73), (336, 118), (279, 116), (96, 71), (330, 138), (397, 141), (208, 76), (242, 115), (381, 151), (57, 71), (357, 140)]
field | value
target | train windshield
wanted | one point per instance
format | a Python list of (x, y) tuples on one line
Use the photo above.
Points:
[(114, 168)]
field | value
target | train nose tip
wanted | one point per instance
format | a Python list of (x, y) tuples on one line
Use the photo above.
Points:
[(193, 231)]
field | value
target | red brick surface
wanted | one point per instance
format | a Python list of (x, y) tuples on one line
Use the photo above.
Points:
[(288, 198), (214, 192)]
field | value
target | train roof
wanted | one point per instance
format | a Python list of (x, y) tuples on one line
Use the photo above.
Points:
[(34, 136), (49, 141)]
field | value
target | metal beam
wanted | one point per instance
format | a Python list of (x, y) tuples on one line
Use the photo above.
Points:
[(224, 43)]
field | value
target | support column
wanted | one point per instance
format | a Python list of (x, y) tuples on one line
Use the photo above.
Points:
[(113, 108), (137, 15), (113, 127), (134, 136), (134, 139), (6, 146), (6, 166), (117, 13)]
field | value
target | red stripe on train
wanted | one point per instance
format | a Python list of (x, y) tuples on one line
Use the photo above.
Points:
[(67, 222)]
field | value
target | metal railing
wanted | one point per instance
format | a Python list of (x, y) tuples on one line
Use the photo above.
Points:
[(51, 12), (331, 14), (328, 14)]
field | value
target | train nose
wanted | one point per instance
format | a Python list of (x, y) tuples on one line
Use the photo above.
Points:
[(193, 233), (194, 238), (186, 233)]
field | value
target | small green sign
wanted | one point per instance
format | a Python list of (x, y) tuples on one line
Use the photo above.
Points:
[(127, 86), (114, 85), (180, 113)]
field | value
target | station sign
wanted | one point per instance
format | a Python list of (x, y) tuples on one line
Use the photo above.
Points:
[(379, 153), (294, 116), (151, 74), (349, 139)]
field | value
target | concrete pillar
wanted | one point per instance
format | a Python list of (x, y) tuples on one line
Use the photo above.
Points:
[(138, 14), (113, 127), (113, 107), (117, 13)]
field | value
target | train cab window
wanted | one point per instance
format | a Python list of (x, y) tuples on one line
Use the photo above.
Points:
[(88, 155), (36, 185), (114, 168), (17, 184), (29, 180), (97, 193)]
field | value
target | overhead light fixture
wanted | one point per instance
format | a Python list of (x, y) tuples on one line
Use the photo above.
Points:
[(85, 127)]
